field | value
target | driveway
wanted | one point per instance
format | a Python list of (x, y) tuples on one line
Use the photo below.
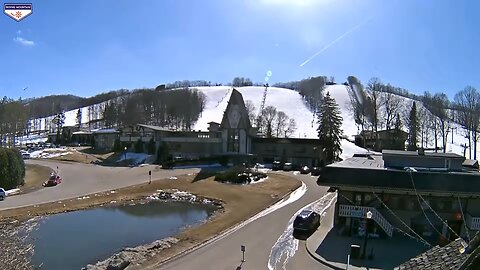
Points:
[(267, 241), (83, 179)]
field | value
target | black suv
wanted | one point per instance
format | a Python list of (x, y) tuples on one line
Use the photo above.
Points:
[(307, 220), (304, 169), (276, 166), (316, 171)]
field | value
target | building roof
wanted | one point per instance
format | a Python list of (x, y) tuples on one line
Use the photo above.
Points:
[(82, 133), (369, 172), (105, 131), (156, 128), (417, 154), (447, 257), (471, 163), (455, 255), (236, 105)]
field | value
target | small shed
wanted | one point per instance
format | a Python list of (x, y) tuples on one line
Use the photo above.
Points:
[(470, 164)]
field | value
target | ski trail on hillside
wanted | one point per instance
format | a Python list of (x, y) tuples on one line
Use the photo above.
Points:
[(227, 94)]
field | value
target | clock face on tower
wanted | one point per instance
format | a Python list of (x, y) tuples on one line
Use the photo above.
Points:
[(234, 116)]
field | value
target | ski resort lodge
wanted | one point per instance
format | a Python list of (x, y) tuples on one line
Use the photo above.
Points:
[(233, 137), (437, 195)]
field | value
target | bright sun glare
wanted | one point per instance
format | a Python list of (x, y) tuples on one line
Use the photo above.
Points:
[(291, 3)]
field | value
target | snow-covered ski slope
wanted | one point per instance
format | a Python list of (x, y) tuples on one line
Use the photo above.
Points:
[(95, 111), (292, 103), (283, 99), (454, 141), (286, 100)]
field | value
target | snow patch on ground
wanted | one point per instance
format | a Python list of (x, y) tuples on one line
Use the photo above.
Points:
[(259, 181), (11, 192), (177, 195), (50, 153), (136, 158)]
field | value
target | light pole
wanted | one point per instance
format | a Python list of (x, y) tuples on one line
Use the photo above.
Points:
[(125, 152), (368, 217)]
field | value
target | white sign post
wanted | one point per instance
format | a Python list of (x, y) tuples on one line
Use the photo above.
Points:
[(242, 248)]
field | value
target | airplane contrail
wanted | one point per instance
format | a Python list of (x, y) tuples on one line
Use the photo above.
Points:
[(351, 30)]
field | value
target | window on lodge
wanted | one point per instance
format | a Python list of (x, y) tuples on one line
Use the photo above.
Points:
[(233, 140)]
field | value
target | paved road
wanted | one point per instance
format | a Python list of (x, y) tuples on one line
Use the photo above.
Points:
[(83, 179), (259, 237)]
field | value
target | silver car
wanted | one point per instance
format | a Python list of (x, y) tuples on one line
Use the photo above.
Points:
[(3, 194)]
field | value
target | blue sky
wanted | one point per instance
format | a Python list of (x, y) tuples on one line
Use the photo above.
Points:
[(88, 47)]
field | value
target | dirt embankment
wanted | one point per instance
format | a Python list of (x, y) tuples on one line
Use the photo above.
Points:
[(239, 203), (35, 175)]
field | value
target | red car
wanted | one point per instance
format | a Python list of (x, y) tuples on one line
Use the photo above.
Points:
[(54, 180)]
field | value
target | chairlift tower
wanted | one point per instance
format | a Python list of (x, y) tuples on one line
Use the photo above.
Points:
[(262, 105), (264, 98)]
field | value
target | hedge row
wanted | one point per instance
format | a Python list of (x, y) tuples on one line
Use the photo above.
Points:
[(12, 168)]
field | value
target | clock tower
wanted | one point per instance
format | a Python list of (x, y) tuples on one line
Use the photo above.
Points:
[(236, 126)]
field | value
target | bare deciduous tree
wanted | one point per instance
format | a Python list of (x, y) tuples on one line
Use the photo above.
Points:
[(281, 122), (292, 126), (467, 103), (250, 111), (268, 116), (391, 105)]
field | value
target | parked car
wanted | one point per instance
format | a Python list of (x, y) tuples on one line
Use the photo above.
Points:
[(3, 194), (259, 166), (304, 170), (25, 155), (287, 166), (276, 166), (316, 170), (307, 220), (54, 180)]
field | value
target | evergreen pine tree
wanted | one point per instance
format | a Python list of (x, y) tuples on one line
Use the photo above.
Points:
[(413, 128), (329, 129)]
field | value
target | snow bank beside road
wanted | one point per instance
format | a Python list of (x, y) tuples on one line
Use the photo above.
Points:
[(50, 153), (136, 158), (11, 192)]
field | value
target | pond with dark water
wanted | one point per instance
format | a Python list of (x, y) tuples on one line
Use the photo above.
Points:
[(73, 240)]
